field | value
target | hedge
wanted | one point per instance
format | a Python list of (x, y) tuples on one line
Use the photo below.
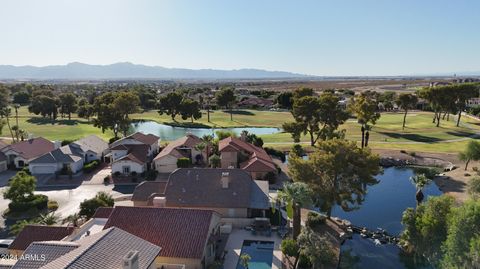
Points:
[(183, 163), (89, 167)]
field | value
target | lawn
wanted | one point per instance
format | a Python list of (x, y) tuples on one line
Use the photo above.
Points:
[(419, 135)]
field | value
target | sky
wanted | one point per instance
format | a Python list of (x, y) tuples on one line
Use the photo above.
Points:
[(326, 38)]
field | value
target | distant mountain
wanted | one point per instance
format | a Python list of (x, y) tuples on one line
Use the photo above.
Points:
[(133, 71)]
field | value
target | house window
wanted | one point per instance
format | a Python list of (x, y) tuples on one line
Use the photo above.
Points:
[(21, 163), (126, 169)]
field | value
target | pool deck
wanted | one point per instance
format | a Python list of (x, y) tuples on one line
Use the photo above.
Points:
[(235, 242)]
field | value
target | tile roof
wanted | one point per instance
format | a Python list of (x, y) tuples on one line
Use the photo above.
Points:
[(2, 144), (189, 141), (203, 188), (102, 212), (67, 154), (31, 148), (148, 139), (44, 252), (146, 189), (256, 154), (181, 233), (137, 153), (34, 233), (106, 250), (3, 157), (92, 143)]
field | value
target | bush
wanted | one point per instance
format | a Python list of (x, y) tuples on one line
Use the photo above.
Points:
[(66, 142), (38, 201), (403, 151), (52, 205), (89, 167), (26, 170), (113, 139), (315, 220), (413, 154), (271, 177), (151, 175), (106, 180), (117, 174), (277, 153), (183, 162), (133, 174)]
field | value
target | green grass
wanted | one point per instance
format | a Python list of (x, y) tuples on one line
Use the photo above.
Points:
[(420, 133)]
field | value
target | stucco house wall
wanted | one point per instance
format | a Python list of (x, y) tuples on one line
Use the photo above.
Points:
[(118, 167), (166, 164), (228, 158)]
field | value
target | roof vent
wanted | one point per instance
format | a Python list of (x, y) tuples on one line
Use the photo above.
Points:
[(130, 261), (225, 179)]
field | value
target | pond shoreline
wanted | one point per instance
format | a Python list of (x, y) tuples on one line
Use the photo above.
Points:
[(200, 125)]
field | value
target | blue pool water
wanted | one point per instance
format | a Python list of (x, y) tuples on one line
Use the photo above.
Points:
[(261, 253), (383, 207)]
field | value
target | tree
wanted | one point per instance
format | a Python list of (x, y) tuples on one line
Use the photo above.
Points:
[(48, 219), (245, 260), (318, 249), (302, 92), (17, 129), (462, 93), (338, 172), (84, 109), (221, 134), (296, 195), (252, 138), (226, 98), (406, 101), (420, 182), (72, 219), (20, 188), (291, 250), (365, 109), (16, 228), (425, 229), (88, 207), (6, 112), (474, 187), (44, 103), (319, 117), (190, 109), (22, 98), (170, 104), (4, 96), (387, 99), (471, 153), (463, 236), (207, 141), (285, 100), (214, 161), (124, 104), (68, 104)]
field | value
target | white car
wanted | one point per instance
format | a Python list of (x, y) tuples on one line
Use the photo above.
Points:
[(4, 244)]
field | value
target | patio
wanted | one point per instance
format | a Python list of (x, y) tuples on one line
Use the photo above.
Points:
[(235, 242)]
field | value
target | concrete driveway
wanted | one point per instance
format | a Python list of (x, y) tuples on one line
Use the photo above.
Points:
[(5, 176)]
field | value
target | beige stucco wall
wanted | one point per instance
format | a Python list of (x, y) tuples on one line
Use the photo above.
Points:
[(118, 166)]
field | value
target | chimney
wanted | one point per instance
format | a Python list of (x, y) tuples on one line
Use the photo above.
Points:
[(130, 261), (225, 179), (57, 144), (159, 201)]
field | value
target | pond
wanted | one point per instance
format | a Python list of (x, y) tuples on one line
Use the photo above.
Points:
[(170, 133), (383, 207)]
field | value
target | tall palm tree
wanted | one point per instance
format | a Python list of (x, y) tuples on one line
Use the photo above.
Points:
[(420, 182), (6, 112), (296, 195), (207, 140), (16, 107)]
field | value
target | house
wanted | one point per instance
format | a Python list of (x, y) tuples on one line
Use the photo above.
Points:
[(236, 153), (184, 235), (133, 153), (94, 147), (110, 248), (184, 147), (230, 192), (34, 233), (70, 157), (3, 162), (21, 153)]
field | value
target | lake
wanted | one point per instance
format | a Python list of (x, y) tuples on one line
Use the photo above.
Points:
[(170, 133), (383, 207)]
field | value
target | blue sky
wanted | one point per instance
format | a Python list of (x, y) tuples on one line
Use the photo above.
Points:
[(313, 37)]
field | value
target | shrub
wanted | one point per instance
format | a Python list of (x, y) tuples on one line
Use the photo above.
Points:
[(133, 174), (413, 154), (117, 173), (89, 167), (183, 162), (113, 139), (106, 180), (475, 169), (403, 151), (277, 153), (66, 142), (38, 201), (271, 177), (151, 175), (52, 205), (315, 220), (26, 170)]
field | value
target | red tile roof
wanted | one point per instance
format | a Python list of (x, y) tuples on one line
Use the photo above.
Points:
[(148, 139), (181, 233), (103, 212), (256, 153), (34, 233), (31, 148), (189, 141), (136, 153)]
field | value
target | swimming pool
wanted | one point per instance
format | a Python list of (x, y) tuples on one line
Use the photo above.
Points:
[(261, 254)]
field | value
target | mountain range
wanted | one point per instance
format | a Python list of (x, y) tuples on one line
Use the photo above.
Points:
[(128, 70)]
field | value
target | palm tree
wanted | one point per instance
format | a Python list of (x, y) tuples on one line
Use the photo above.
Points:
[(200, 147), (16, 107), (207, 140), (420, 182), (6, 112), (244, 260), (73, 219), (296, 195), (48, 219), (23, 134)]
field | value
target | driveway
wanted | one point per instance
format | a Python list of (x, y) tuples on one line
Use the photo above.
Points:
[(5, 176)]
